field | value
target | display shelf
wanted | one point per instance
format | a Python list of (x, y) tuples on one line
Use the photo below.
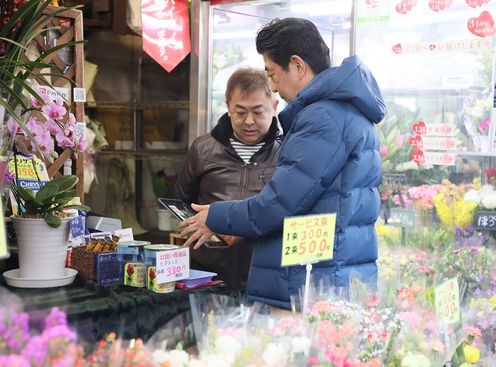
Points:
[(146, 153), (140, 106)]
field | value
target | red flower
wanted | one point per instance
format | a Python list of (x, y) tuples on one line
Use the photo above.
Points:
[(130, 270)]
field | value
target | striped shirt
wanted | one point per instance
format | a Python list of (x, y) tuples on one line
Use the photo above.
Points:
[(245, 152)]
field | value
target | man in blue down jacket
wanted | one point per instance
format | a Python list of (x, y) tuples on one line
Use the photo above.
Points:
[(329, 162)]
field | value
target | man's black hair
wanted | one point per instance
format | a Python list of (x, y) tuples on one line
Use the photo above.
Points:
[(282, 38)]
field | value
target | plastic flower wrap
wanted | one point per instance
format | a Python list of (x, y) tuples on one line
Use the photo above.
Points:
[(481, 314), (473, 265), (232, 334)]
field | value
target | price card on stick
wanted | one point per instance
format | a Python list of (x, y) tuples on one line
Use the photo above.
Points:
[(172, 265), (4, 253), (447, 296), (308, 239)]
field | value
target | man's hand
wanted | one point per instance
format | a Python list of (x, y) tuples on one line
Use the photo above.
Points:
[(195, 228)]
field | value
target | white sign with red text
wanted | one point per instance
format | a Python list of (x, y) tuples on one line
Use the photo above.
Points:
[(172, 265)]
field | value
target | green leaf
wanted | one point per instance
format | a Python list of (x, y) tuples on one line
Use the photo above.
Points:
[(64, 197), (52, 220), (78, 207), (47, 192), (65, 183)]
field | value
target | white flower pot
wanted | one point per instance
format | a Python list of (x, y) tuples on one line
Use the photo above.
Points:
[(166, 221), (42, 249)]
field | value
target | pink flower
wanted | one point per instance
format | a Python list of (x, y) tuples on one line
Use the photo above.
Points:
[(384, 151), (56, 109), (399, 139), (484, 124)]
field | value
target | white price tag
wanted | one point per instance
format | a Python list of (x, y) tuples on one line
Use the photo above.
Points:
[(79, 94), (125, 234), (172, 265)]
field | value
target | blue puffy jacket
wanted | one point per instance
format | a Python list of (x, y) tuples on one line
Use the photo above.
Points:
[(329, 162)]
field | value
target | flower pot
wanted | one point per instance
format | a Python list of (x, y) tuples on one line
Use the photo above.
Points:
[(42, 249), (166, 221)]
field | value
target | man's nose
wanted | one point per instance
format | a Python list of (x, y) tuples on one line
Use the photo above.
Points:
[(273, 86), (250, 119)]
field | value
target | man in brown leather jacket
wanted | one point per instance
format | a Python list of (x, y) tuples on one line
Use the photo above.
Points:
[(234, 161)]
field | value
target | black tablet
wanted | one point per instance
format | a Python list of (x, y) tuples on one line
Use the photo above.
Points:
[(182, 211)]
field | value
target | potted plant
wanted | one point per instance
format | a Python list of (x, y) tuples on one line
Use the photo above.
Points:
[(164, 187), (42, 227)]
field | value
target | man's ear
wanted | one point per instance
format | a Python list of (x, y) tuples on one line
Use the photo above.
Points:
[(228, 112), (300, 65), (276, 103)]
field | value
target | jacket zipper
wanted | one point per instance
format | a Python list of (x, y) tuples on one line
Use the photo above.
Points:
[(245, 175)]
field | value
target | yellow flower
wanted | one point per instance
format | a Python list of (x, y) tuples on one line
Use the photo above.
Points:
[(471, 353), (492, 301)]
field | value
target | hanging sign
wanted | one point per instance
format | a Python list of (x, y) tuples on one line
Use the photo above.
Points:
[(165, 30), (434, 158), (434, 142), (308, 239)]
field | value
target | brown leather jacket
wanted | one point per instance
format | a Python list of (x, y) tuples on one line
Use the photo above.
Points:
[(214, 172)]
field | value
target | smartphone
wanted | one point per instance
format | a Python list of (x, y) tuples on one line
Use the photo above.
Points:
[(182, 211)]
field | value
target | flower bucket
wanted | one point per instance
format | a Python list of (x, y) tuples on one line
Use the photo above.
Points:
[(42, 249)]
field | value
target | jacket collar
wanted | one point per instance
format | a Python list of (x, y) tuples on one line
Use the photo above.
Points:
[(223, 131)]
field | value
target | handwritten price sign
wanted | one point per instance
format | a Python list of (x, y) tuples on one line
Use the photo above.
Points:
[(172, 265), (308, 239), (447, 297)]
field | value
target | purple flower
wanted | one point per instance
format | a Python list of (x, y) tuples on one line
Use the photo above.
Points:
[(13, 360), (35, 350), (59, 332), (55, 317)]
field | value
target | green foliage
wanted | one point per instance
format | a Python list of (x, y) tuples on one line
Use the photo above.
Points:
[(49, 202), (164, 185)]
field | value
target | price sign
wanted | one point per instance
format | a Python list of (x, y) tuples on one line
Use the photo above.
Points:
[(447, 296), (394, 181), (485, 221), (308, 239), (4, 253), (172, 265), (107, 269), (402, 217)]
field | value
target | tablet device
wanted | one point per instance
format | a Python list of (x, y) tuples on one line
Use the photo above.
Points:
[(182, 211), (178, 208)]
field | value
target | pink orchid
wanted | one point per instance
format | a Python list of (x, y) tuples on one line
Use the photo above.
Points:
[(34, 127), (14, 127), (55, 110), (53, 126), (45, 142)]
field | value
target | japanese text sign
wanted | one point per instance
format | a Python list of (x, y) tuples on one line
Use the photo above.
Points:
[(447, 296), (485, 221), (165, 30), (308, 239), (172, 265)]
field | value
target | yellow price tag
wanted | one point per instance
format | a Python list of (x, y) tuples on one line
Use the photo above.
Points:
[(447, 296), (3, 239), (308, 239)]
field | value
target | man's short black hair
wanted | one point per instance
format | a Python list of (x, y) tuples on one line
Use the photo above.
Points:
[(282, 38)]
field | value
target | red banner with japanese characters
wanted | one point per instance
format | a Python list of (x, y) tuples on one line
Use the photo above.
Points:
[(165, 28)]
